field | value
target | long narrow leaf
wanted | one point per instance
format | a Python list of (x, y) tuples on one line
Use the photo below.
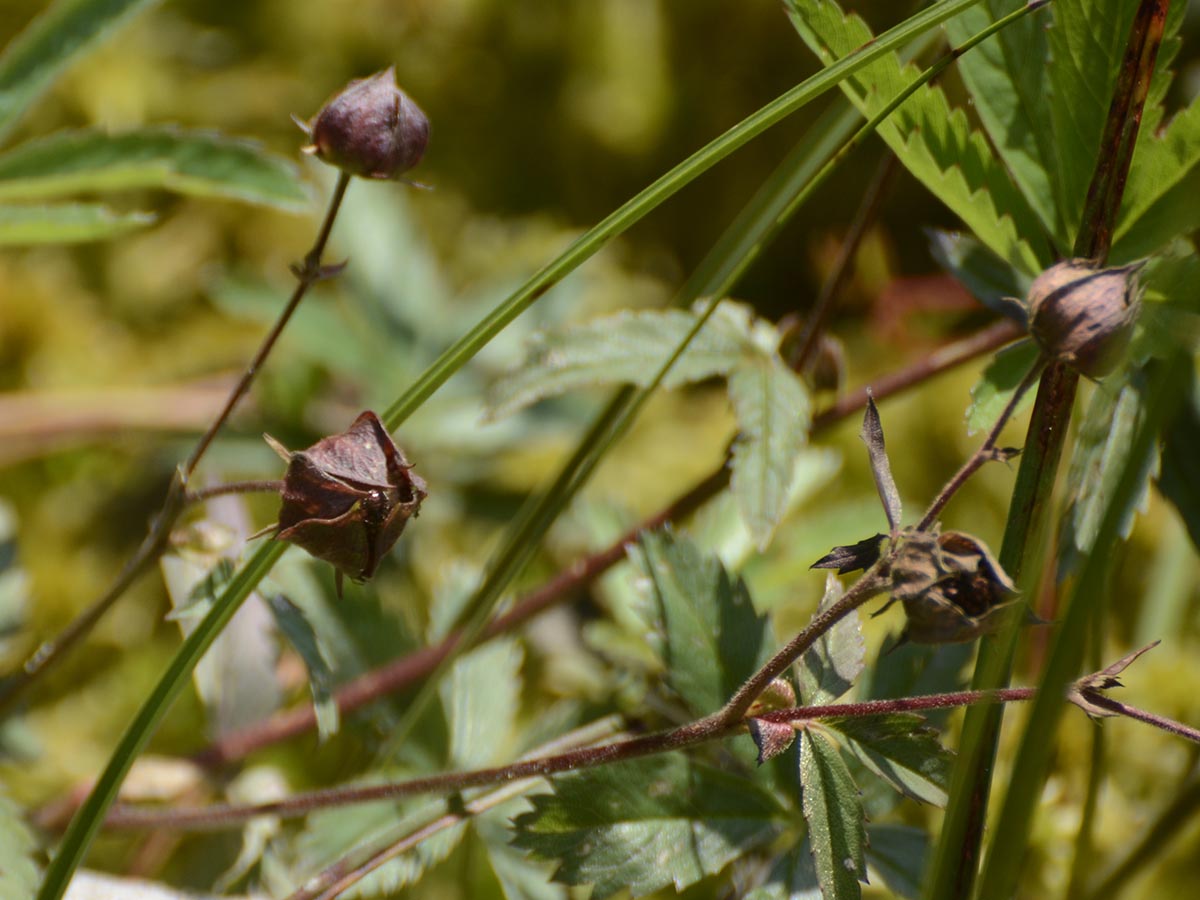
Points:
[(35, 57), (66, 223), (187, 162)]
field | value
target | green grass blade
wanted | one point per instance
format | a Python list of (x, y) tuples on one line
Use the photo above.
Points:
[(66, 223), (201, 163), (31, 62)]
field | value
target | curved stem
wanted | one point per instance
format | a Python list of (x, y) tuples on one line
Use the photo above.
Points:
[(234, 487)]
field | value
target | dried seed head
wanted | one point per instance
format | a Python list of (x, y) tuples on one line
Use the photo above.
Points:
[(372, 129), (1083, 316), (950, 585), (347, 498)]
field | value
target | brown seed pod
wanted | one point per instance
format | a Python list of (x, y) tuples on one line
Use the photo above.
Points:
[(347, 498), (1083, 316), (952, 588), (372, 129)]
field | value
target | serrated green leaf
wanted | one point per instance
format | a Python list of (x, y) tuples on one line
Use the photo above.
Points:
[(933, 141), (901, 750), (773, 411), (304, 640), (830, 666), (626, 348), (66, 223), (481, 698), (201, 163), (520, 876), (898, 853), (999, 381), (1087, 42), (834, 814), (791, 878), (37, 55), (714, 637), (647, 823), (1099, 460), (18, 873), (1006, 76)]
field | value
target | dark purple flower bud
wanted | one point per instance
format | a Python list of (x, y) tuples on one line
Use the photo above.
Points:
[(372, 129), (1083, 316), (347, 498)]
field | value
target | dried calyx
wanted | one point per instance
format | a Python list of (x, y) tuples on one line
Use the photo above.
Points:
[(371, 129), (347, 498), (1082, 315)]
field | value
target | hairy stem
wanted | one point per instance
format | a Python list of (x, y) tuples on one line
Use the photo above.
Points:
[(234, 487)]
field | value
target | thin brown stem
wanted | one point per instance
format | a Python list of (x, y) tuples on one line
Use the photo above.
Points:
[(1170, 726), (986, 451), (234, 487), (158, 537), (405, 671)]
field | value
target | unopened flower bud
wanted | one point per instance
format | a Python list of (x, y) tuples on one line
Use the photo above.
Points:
[(372, 129), (1083, 316), (347, 498)]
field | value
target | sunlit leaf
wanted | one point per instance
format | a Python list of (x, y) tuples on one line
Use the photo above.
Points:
[(830, 666), (628, 348), (901, 750), (66, 223), (51, 42), (1006, 76), (933, 141), (647, 824), (714, 636), (481, 698), (773, 412), (834, 814), (187, 162)]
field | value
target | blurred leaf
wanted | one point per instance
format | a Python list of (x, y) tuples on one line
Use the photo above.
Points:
[(520, 876), (773, 412), (792, 877), (901, 750), (1000, 379), (830, 666), (714, 636), (898, 854), (1099, 459), (910, 670), (354, 832), (14, 582), (628, 347), (991, 280), (1180, 479), (300, 633), (201, 163), (933, 141), (66, 223), (34, 58), (647, 823), (18, 873), (481, 698), (1007, 80), (834, 813), (99, 886)]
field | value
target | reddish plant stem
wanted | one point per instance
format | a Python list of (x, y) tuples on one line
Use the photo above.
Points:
[(402, 673), (1168, 725), (158, 536), (234, 487)]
